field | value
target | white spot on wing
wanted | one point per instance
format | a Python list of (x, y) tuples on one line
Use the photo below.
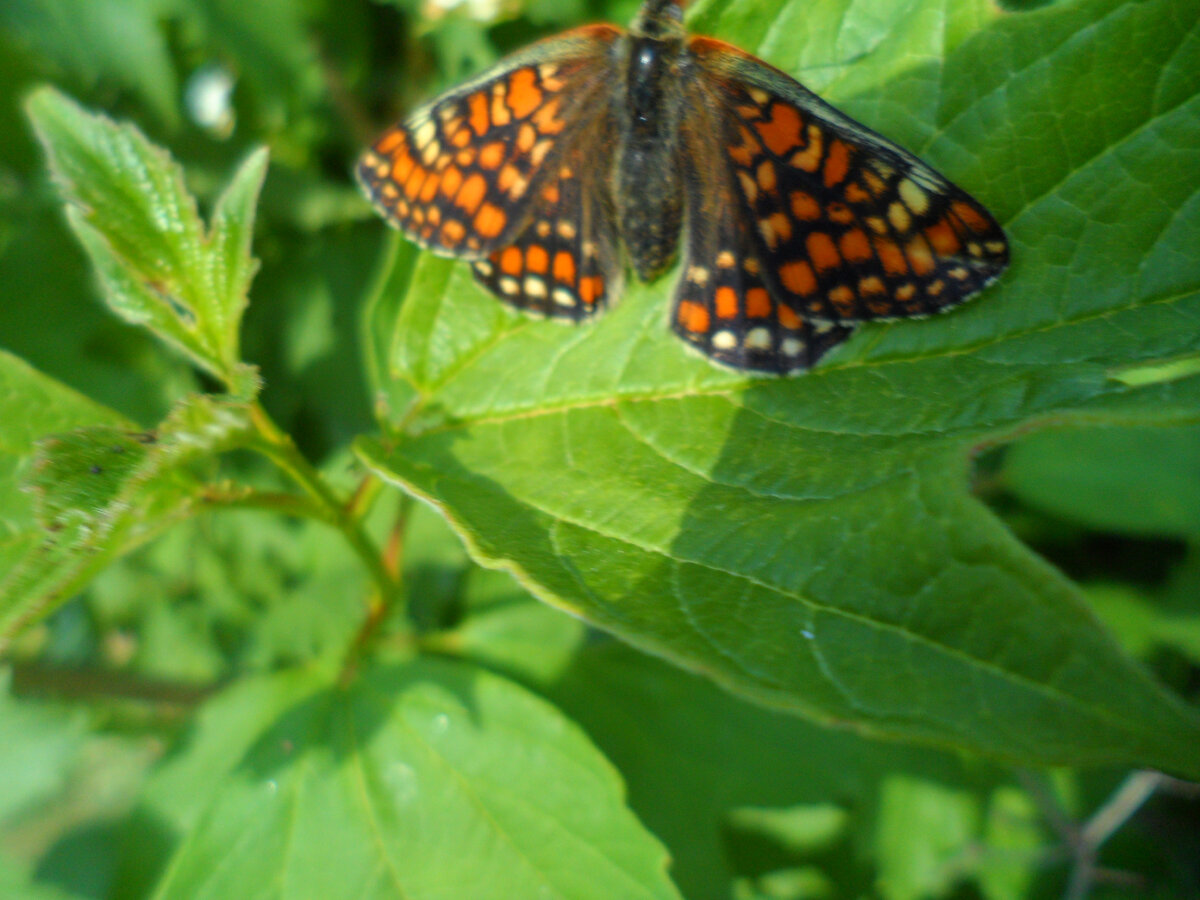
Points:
[(758, 339), (424, 132), (724, 340), (916, 199)]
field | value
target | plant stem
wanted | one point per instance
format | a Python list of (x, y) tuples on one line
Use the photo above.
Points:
[(278, 446), (35, 679), (392, 559), (364, 496), (241, 497), (1083, 842), (1135, 790)]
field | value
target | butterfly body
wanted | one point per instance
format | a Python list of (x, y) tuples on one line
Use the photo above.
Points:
[(647, 187), (794, 222)]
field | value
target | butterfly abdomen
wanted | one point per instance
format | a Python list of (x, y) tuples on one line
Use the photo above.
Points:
[(647, 185)]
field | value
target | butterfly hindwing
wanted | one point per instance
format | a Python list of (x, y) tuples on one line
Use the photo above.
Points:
[(459, 175), (852, 227), (723, 306), (566, 263)]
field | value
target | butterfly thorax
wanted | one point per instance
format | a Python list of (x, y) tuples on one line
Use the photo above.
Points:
[(647, 186)]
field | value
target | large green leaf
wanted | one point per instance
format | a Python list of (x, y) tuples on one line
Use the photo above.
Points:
[(731, 787), (811, 542), (422, 780)]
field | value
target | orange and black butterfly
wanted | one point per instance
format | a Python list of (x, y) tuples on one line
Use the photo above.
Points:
[(798, 222)]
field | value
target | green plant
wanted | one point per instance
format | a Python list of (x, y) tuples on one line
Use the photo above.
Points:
[(371, 709)]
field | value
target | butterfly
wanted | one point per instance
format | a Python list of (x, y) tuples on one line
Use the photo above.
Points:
[(796, 222)]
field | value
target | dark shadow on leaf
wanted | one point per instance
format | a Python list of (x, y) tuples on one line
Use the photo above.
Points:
[(145, 844)]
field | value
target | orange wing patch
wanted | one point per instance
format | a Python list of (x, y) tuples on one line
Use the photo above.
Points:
[(848, 227), (460, 175), (564, 264), (724, 307)]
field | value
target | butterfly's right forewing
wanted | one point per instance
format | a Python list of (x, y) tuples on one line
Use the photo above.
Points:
[(461, 175), (850, 227)]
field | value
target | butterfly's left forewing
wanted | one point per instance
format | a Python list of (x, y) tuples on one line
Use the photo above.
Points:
[(849, 226), (460, 175)]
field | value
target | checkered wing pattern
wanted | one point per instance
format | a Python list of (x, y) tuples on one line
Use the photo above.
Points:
[(461, 175), (566, 264), (723, 307), (849, 226)]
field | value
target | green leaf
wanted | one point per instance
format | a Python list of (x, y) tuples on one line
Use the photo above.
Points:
[(32, 567), (925, 831), (507, 631), (1013, 846), (90, 479), (497, 623), (14, 882), (1141, 481), (811, 542), (40, 746), (117, 41), (51, 320), (732, 788), (393, 394), (799, 829), (1143, 625), (77, 476), (232, 591), (97, 491), (696, 757), (67, 837), (270, 49), (303, 327), (430, 779), (159, 265)]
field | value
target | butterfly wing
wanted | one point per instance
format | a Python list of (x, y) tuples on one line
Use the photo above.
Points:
[(566, 263), (460, 175), (722, 306), (850, 227)]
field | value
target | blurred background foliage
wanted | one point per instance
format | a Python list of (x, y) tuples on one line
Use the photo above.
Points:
[(1118, 509)]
